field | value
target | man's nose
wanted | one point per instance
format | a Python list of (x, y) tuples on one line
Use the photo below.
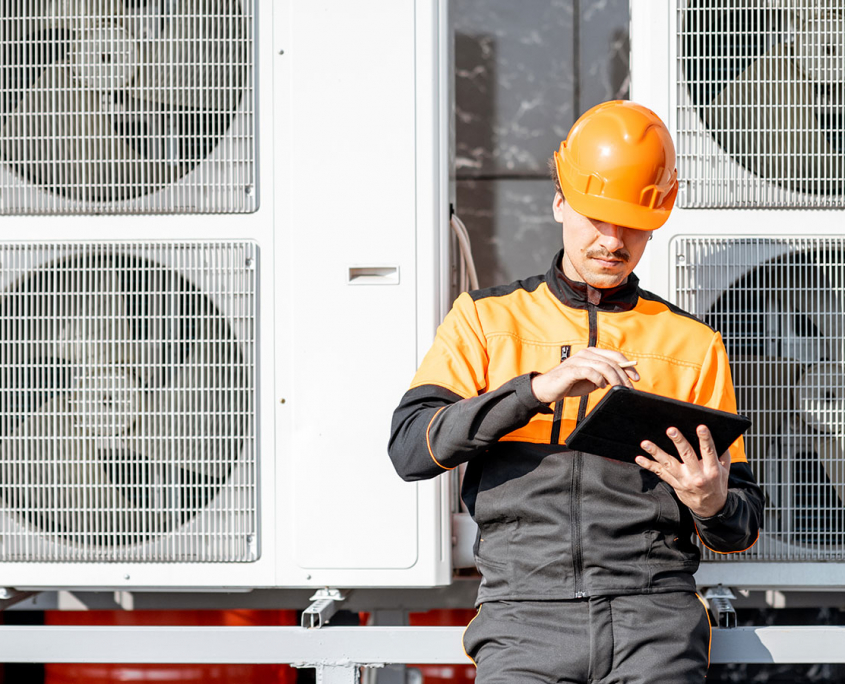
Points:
[(611, 236)]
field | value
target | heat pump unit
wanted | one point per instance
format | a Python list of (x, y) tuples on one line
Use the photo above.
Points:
[(224, 250), (753, 92)]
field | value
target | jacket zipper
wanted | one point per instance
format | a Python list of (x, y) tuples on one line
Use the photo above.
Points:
[(575, 493), (565, 350)]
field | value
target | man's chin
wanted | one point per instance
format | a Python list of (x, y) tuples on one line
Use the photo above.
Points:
[(604, 281)]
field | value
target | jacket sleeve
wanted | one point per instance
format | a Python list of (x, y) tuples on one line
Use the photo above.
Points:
[(737, 526), (448, 416)]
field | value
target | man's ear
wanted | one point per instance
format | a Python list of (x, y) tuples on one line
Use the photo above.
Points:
[(557, 207)]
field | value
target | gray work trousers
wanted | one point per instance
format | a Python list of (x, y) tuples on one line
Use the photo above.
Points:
[(654, 638)]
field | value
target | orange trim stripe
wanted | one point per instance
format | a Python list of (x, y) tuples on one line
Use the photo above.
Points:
[(724, 553), (428, 441), (710, 636), (477, 613)]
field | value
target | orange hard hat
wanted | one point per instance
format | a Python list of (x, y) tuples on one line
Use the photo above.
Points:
[(618, 165)]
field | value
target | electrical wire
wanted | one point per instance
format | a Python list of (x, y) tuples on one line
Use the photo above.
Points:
[(468, 277)]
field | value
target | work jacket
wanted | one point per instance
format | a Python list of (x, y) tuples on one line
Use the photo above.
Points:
[(555, 523)]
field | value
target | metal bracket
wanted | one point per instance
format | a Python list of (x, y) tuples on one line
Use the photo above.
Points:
[(9, 597), (337, 673), (324, 605), (719, 598)]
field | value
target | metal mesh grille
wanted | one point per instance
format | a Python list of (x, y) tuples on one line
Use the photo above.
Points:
[(126, 106), (127, 402), (760, 118), (780, 306)]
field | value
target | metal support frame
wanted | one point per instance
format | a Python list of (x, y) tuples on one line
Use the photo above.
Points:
[(324, 605), (9, 597), (339, 650), (719, 599)]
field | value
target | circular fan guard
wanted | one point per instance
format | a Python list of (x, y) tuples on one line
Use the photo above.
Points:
[(122, 399)]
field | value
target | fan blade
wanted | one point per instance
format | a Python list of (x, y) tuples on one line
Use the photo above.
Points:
[(87, 490), (20, 20), (767, 408), (97, 333), (70, 140), (198, 60), (767, 120), (197, 421), (831, 454), (820, 398), (49, 475)]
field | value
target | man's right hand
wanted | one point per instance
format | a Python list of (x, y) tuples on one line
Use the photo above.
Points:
[(581, 373)]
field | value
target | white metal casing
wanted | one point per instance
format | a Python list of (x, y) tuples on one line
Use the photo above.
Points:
[(654, 83), (351, 236)]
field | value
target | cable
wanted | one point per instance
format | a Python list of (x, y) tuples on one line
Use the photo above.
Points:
[(468, 278)]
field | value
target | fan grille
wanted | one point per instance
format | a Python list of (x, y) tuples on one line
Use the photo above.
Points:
[(780, 307), (127, 402), (127, 106), (760, 103)]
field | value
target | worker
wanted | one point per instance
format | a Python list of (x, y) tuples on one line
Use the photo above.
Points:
[(587, 562)]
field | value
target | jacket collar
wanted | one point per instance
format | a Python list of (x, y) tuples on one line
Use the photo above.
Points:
[(580, 295)]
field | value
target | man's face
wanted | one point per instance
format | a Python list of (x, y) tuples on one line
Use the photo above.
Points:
[(597, 253)]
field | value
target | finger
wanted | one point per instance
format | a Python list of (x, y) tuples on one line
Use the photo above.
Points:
[(612, 372), (655, 467), (666, 462), (616, 358), (685, 450), (709, 457)]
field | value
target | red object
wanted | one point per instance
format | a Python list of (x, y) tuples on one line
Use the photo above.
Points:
[(95, 673), (431, 674)]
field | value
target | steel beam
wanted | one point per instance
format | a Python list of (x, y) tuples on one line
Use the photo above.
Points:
[(345, 647)]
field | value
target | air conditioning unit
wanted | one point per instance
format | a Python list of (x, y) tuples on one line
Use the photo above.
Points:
[(224, 251), (753, 92)]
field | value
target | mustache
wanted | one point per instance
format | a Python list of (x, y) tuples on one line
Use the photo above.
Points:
[(601, 253)]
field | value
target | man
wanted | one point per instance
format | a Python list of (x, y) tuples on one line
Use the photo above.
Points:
[(587, 562)]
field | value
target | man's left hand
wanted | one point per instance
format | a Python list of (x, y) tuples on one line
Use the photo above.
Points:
[(701, 485)]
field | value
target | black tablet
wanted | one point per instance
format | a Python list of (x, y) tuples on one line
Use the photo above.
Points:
[(625, 417)]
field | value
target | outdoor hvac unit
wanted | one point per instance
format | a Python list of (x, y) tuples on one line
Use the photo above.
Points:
[(223, 249), (753, 92)]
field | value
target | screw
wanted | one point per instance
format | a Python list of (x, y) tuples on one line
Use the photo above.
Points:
[(126, 577), (281, 52), (281, 401), (249, 539), (248, 263), (249, 190), (308, 577)]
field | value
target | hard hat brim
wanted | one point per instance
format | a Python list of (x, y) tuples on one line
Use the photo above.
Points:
[(616, 211)]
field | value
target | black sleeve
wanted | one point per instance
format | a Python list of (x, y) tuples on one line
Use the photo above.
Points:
[(737, 526), (435, 430)]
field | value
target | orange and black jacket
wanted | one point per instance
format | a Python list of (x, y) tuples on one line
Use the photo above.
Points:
[(555, 523)]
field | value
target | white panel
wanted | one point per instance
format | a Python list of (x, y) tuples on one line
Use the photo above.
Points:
[(353, 205)]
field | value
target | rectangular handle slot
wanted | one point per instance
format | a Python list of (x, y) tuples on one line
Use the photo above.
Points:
[(373, 275)]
